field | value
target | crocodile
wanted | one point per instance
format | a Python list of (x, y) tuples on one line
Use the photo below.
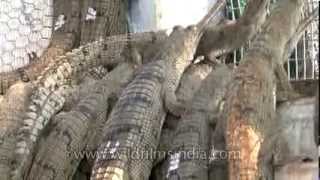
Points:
[(250, 103), (233, 34), (189, 84), (70, 132), (54, 83), (189, 151), (135, 123), (284, 92), (74, 95)]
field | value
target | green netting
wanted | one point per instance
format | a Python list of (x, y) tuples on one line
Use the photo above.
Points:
[(235, 8)]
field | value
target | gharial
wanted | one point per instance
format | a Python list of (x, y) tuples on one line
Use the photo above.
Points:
[(136, 120)]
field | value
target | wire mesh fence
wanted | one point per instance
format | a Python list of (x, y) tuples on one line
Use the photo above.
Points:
[(25, 31), (303, 63)]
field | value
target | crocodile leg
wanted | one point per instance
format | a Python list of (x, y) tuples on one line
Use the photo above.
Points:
[(173, 104)]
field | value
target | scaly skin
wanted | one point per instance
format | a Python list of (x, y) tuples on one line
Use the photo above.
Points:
[(52, 86), (136, 120), (69, 133), (193, 131), (189, 85), (250, 101), (45, 101), (48, 99)]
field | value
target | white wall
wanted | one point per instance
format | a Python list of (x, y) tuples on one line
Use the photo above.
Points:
[(149, 15), (142, 15)]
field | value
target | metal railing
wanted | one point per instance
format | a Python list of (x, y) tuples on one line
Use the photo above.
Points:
[(303, 63)]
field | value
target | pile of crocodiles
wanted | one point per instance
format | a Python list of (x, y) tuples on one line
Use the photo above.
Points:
[(156, 98)]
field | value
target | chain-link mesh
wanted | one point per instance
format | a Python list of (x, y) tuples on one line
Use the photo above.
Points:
[(303, 63), (25, 31)]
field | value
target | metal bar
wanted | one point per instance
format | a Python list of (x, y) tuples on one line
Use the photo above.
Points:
[(240, 12), (235, 58), (312, 51), (304, 57), (296, 61), (233, 17), (239, 6), (232, 10), (241, 52), (288, 68)]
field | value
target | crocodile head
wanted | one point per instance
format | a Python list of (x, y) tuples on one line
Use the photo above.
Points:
[(183, 42)]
